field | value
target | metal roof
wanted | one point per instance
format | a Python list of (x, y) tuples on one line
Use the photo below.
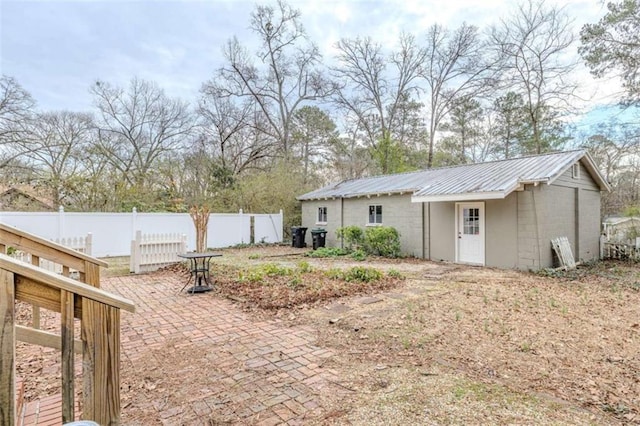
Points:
[(494, 179)]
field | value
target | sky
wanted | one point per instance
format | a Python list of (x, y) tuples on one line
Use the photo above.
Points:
[(57, 49)]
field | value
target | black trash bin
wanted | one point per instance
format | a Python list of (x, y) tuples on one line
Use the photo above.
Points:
[(298, 234), (319, 236)]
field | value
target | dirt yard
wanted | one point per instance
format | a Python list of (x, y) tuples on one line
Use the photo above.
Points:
[(447, 344)]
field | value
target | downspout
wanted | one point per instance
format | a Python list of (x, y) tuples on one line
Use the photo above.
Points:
[(422, 230), (429, 228), (535, 219), (342, 220)]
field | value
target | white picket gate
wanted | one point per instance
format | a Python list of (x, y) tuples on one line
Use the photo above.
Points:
[(81, 244), (150, 252)]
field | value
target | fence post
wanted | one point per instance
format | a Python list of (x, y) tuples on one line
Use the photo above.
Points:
[(281, 226), (602, 241), (60, 222), (88, 244), (134, 262), (240, 215), (134, 221)]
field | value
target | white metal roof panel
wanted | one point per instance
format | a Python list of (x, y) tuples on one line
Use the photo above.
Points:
[(495, 179)]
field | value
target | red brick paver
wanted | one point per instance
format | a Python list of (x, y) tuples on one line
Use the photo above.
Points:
[(223, 365)]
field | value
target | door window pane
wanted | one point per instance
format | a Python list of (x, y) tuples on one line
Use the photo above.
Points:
[(471, 221)]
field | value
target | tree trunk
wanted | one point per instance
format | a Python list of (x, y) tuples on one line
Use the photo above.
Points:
[(200, 217)]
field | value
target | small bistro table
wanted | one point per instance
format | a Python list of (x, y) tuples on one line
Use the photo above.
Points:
[(199, 265)]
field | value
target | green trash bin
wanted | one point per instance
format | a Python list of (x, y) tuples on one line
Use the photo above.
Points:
[(319, 237)]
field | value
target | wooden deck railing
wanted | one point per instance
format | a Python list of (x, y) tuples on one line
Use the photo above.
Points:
[(99, 314)]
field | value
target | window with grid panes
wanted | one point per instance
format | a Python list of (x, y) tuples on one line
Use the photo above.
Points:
[(375, 214)]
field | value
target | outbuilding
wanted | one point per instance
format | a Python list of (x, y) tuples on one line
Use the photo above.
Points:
[(499, 213)]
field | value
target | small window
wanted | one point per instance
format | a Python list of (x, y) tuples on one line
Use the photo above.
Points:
[(471, 221), (575, 171), (322, 215), (375, 214)]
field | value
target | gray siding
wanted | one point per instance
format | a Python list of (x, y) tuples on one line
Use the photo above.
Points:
[(589, 225), (544, 212), (310, 215), (501, 229), (397, 211), (567, 208), (443, 231), (585, 181)]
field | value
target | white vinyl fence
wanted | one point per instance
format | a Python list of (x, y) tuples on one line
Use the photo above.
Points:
[(81, 244), (150, 252), (113, 232)]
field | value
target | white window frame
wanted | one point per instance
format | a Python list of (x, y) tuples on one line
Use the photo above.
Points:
[(375, 215), (319, 220)]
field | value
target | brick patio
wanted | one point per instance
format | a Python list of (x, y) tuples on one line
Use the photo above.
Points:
[(201, 359)]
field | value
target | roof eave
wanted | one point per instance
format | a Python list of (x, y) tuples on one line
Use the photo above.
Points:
[(465, 196)]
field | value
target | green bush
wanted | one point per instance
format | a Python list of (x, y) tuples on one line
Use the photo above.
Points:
[(334, 273), (362, 274), (394, 273), (382, 241), (352, 236), (275, 269), (359, 255), (327, 252), (304, 267)]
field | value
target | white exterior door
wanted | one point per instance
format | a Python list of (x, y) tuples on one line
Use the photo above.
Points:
[(470, 233)]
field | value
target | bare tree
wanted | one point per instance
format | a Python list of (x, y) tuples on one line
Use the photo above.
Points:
[(284, 76), (56, 150), (455, 68), (615, 147), (376, 87), (138, 126), (231, 132), (532, 46), (16, 109)]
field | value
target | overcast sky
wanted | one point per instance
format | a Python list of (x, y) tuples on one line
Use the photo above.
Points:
[(57, 49)]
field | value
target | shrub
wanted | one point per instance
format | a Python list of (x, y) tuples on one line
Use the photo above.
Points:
[(359, 255), (334, 273), (327, 252), (304, 267), (362, 274), (394, 273), (382, 241), (252, 276), (352, 236), (275, 269)]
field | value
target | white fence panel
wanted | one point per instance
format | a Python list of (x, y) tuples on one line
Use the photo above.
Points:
[(44, 225), (113, 232), (267, 228), (227, 230), (150, 252)]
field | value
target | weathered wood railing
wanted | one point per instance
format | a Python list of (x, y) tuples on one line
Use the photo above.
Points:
[(99, 314)]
